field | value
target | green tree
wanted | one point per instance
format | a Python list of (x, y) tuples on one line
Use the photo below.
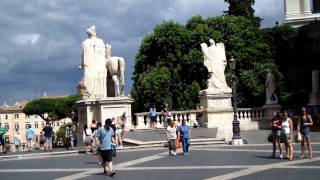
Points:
[(169, 65), (242, 8), (56, 108)]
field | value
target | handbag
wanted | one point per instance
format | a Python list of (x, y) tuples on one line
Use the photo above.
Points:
[(270, 137), (298, 138)]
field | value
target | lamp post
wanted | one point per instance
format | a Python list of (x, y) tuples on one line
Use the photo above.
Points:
[(236, 138)]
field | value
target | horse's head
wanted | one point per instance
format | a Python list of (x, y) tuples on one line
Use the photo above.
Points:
[(108, 50)]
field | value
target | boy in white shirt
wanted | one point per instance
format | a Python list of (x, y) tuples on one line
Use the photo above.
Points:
[(172, 137)]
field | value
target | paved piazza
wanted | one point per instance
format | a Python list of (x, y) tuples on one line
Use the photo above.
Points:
[(203, 162)]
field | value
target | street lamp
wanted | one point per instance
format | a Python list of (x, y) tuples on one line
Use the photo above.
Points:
[(235, 123)]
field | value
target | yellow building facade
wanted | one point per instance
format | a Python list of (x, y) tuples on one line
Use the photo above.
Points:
[(14, 120)]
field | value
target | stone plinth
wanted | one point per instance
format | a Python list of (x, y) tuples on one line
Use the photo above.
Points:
[(101, 109), (218, 113), (268, 114)]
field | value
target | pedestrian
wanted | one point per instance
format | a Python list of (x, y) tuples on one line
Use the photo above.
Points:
[(172, 137), (166, 115), (87, 138), (199, 116), (42, 140), (287, 128), (48, 134), (3, 132), (153, 116), (17, 141), (30, 135), (105, 137), (123, 126), (93, 126), (118, 123), (276, 133), (97, 143), (69, 136), (185, 136), (304, 123)]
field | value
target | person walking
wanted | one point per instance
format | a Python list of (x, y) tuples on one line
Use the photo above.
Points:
[(172, 137), (87, 138), (304, 123), (48, 133), (30, 135), (69, 136), (3, 132), (42, 140), (276, 134), (105, 137), (166, 115), (97, 143), (123, 126), (287, 128), (185, 136), (17, 141), (153, 116)]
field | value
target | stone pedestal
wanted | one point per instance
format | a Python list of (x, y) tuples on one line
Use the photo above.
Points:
[(101, 109), (268, 114), (218, 113)]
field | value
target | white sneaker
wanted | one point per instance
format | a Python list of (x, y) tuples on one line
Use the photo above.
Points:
[(281, 156), (174, 153)]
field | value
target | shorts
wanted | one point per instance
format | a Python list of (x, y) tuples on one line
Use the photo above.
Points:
[(2, 141), (288, 138), (48, 141), (106, 155), (153, 118), (276, 132), (172, 144), (305, 134), (118, 131)]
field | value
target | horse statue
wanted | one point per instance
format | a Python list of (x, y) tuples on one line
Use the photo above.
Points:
[(115, 67)]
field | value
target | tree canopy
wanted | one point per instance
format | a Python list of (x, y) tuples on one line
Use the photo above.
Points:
[(242, 8), (56, 108), (169, 65)]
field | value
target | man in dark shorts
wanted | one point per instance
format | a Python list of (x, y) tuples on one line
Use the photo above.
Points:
[(48, 133), (105, 137)]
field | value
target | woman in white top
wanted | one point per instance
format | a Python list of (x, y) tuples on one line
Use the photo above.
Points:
[(172, 137), (87, 138), (287, 128), (17, 141)]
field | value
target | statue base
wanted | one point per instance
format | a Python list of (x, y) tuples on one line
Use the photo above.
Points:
[(101, 109), (218, 113), (268, 114)]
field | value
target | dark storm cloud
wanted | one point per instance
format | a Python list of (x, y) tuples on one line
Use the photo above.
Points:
[(40, 47)]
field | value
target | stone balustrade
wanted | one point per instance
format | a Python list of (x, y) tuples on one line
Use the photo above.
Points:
[(245, 116), (143, 118)]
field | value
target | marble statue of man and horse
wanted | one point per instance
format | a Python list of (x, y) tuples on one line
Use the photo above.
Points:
[(103, 74)]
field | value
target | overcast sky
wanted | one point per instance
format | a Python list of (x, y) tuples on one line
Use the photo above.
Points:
[(40, 40)]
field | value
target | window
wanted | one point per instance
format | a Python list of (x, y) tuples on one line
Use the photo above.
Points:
[(35, 116), (27, 125), (36, 125), (6, 116), (58, 123), (6, 125), (27, 117), (42, 124), (16, 126), (16, 116), (0, 125), (315, 6)]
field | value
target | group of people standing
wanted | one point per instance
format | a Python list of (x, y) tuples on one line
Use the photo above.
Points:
[(282, 132)]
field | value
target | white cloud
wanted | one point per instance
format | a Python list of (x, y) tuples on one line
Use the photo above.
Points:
[(25, 39)]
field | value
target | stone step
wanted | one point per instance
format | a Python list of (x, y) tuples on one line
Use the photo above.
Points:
[(198, 141)]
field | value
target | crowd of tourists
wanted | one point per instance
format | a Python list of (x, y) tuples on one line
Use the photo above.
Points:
[(282, 132)]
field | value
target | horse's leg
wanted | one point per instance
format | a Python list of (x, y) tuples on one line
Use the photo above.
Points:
[(116, 84), (121, 74)]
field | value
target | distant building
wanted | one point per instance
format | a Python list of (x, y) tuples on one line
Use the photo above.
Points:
[(13, 119), (301, 12)]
